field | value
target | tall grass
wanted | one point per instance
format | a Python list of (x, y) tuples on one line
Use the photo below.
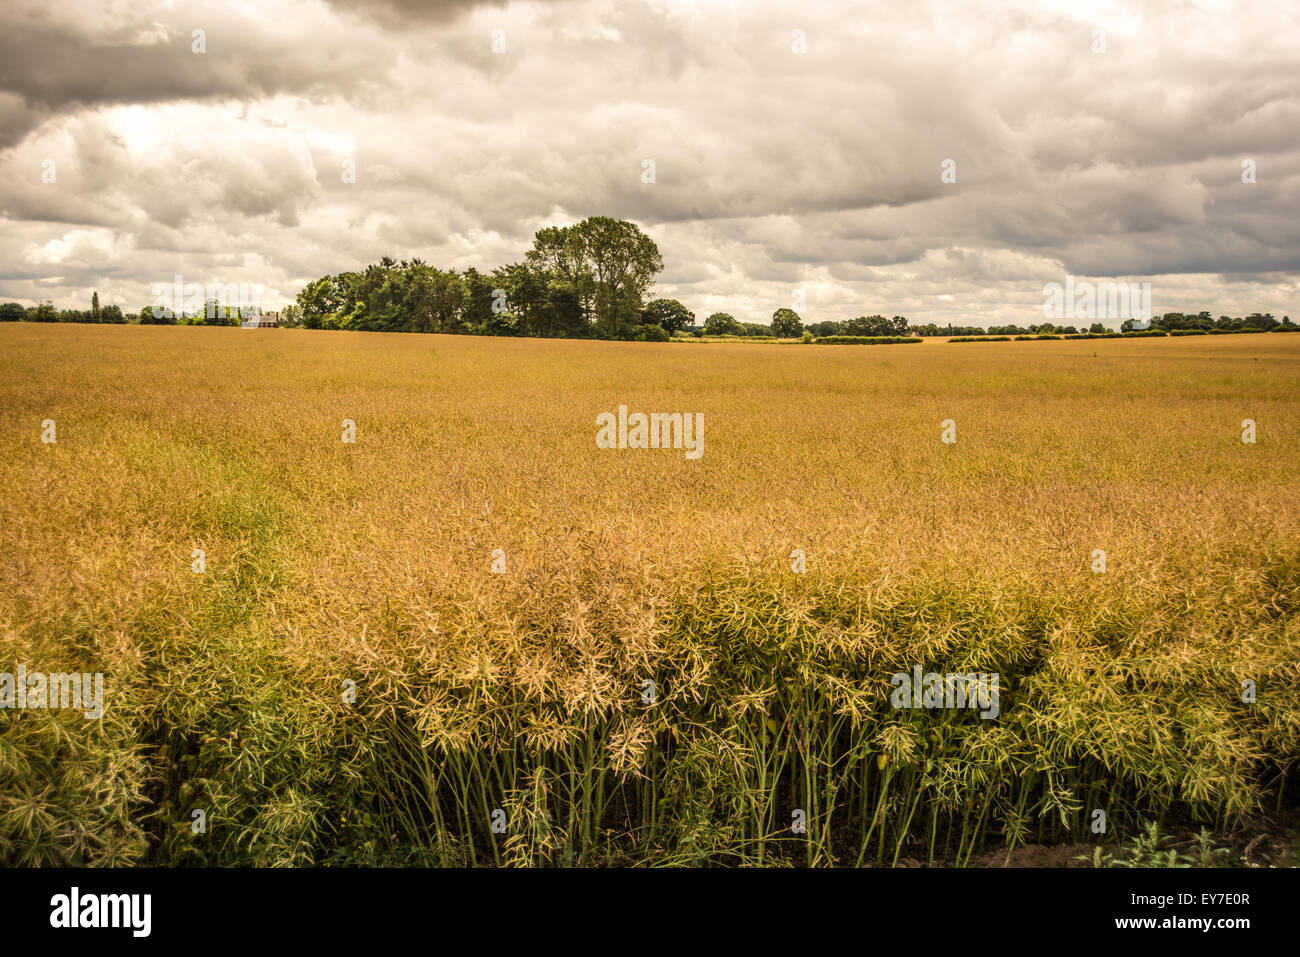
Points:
[(522, 693)]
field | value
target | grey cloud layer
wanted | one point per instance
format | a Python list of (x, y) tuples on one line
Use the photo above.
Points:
[(775, 170)]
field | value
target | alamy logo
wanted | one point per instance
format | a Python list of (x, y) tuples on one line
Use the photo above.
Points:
[(658, 430), (82, 692), (103, 910), (933, 690), (191, 298), (1103, 300)]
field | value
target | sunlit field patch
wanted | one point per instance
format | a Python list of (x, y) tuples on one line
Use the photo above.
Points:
[(645, 677)]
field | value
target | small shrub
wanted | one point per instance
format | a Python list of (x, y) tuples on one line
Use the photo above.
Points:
[(1148, 850)]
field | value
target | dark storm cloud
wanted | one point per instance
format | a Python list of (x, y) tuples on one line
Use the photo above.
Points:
[(49, 69), (17, 119)]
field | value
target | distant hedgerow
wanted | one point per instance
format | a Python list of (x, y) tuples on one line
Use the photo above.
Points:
[(865, 340)]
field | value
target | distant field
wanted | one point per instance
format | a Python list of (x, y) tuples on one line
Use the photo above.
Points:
[(523, 691)]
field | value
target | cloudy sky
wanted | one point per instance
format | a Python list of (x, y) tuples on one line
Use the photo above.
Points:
[(796, 145)]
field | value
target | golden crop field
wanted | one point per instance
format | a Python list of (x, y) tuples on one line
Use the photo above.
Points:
[(343, 676)]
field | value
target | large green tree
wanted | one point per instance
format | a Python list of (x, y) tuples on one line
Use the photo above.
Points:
[(786, 324), (609, 265), (321, 301), (43, 312), (722, 324), (668, 314), (480, 294)]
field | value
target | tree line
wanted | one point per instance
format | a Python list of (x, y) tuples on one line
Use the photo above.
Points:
[(212, 313), (1262, 322), (588, 280), (44, 311)]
